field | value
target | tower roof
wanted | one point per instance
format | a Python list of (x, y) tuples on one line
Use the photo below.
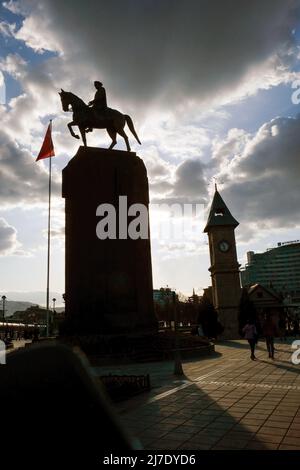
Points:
[(219, 214)]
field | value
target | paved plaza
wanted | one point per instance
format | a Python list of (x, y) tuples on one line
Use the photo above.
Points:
[(224, 401)]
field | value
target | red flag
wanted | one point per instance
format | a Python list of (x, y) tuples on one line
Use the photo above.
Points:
[(47, 149)]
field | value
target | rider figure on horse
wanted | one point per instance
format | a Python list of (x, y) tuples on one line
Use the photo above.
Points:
[(99, 102)]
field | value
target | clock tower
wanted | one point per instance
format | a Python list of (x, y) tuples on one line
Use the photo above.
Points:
[(224, 267)]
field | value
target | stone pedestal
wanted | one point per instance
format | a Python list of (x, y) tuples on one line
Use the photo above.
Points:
[(108, 282)]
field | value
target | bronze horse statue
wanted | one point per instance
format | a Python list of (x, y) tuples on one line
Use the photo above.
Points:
[(83, 117)]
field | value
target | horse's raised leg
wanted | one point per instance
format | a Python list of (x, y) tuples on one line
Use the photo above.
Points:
[(83, 136), (71, 130), (113, 135), (123, 134)]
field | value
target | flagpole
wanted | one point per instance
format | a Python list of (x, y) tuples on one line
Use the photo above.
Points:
[(47, 151), (48, 253)]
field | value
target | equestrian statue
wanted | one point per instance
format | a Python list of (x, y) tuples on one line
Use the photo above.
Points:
[(96, 115)]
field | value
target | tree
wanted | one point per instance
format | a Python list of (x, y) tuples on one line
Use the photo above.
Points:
[(181, 297), (208, 318)]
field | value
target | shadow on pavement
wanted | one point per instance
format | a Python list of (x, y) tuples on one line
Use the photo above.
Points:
[(212, 355), (192, 419), (238, 345), (289, 367)]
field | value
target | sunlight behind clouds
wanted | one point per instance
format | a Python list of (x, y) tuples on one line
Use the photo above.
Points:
[(176, 71)]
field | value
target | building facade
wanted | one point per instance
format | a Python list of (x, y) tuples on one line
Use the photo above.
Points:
[(278, 268)]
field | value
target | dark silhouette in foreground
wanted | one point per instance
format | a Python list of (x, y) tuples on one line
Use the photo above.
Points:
[(64, 414), (208, 319)]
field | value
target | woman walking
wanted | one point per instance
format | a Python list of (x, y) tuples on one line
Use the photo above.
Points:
[(251, 335)]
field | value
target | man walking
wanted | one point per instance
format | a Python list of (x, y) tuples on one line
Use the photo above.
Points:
[(270, 330)]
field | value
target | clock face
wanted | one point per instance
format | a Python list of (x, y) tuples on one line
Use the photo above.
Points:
[(224, 246)]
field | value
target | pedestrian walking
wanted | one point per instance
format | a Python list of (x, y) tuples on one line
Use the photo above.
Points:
[(250, 333), (200, 330), (270, 330), (296, 326)]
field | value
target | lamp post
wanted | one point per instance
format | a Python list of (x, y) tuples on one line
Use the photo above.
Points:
[(51, 317), (3, 307), (178, 365)]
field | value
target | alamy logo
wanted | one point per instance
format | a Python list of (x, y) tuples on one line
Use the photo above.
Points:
[(2, 353), (180, 222), (296, 354), (136, 228)]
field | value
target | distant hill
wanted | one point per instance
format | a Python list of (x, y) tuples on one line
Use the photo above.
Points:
[(11, 306), (33, 297)]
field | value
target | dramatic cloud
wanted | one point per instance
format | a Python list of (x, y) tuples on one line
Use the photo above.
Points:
[(167, 52), (13, 64), (188, 185), (2, 90), (8, 238), (261, 179), (7, 29), (22, 180), (190, 180)]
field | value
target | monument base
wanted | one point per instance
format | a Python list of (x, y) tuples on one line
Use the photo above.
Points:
[(139, 348), (108, 276)]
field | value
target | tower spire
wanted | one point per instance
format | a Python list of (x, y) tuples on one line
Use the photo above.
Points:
[(219, 214), (216, 184)]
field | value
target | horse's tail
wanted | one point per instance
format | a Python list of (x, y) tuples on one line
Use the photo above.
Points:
[(131, 127)]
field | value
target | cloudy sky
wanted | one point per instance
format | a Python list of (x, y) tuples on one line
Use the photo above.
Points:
[(209, 84)]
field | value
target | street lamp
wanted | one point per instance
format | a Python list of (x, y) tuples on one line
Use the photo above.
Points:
[(178, 364), (3, 307)]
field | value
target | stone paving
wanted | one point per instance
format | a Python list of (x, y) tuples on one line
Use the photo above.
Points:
[(224, 401)]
